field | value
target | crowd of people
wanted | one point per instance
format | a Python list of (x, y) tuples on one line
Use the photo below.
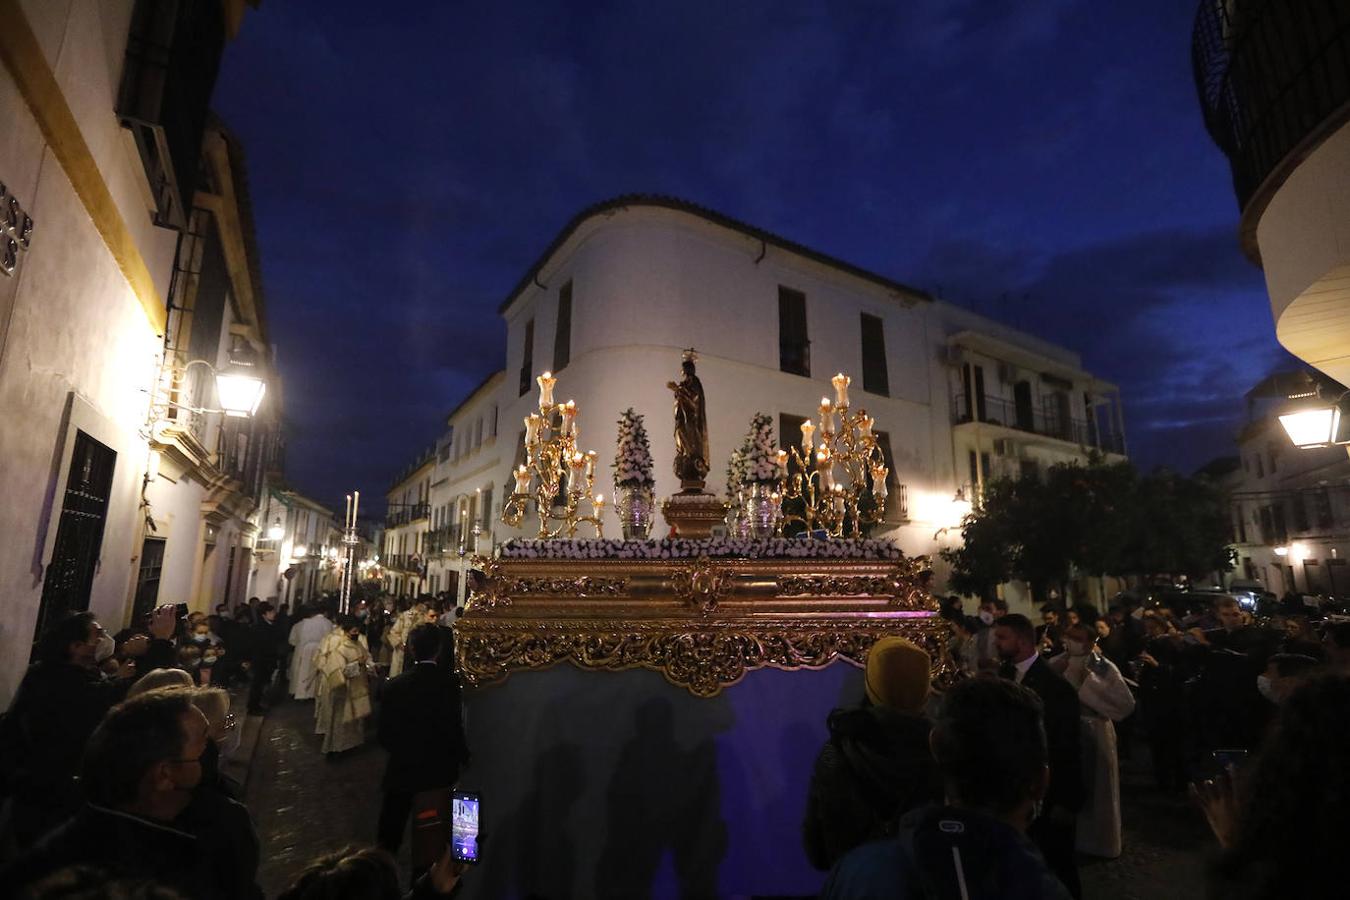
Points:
[(112, 752), (921, 794)]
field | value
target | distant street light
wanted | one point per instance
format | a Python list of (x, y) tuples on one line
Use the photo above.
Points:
[(276, 531)]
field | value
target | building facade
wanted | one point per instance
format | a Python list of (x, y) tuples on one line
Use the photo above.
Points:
[(628, 284), (1274, 88), (115, 496), (403, 557), (1291, 508)]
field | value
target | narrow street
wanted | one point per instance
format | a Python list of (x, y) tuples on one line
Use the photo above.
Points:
[(305, 807)]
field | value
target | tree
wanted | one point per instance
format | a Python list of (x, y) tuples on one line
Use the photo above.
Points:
[(1096, 518)]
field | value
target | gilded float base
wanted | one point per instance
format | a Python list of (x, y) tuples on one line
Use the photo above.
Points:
[(702, 623)]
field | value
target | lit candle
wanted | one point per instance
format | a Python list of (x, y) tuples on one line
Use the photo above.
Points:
[(522, 480), (841, 383), (782, 463), (826, 417), (578, 465), (838, 499), (808, 438), (590, 464), (879, 473), (532, 423), (598, 504), (825, 466), (865, 423), (569, 416), (546, 383)]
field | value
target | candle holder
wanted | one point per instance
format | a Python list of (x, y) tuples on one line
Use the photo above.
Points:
[(843, 443), (557, 476)]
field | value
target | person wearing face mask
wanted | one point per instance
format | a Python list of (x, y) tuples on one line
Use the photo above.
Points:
[(140, 770), (215, 814), (60, 701), (343, 667), (1104, 699), (986, 648)]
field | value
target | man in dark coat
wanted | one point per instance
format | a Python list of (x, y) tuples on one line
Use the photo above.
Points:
[(421, 728), (877, 764), (1055, 830), (59, 703), (267, 644), (139, 774)]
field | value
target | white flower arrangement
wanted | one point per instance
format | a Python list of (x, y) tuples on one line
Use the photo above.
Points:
[(690, 548), (736, 471), (633, 456), (761, 457)]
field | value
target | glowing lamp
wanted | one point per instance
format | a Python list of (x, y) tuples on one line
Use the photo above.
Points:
[(276, 531), (240, 393)]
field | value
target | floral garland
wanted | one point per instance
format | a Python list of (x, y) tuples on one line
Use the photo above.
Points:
[(761, 459), (713, 548), (633, 456)]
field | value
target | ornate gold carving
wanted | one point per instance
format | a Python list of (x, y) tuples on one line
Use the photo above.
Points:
[(621, 614), (701, 584)]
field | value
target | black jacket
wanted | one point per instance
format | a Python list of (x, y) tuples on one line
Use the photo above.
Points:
[(123, 846), (420, 726), (267, 643), (1063, 734), (875, 767)]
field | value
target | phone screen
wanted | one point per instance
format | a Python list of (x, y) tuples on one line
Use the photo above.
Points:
[(464, 826)]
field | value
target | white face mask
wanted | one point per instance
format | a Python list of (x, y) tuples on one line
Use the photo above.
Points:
[(1076, 648), (1266, 687), (986, 617), (104, 648)]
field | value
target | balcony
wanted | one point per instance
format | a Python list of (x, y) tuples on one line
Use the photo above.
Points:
[(1273, 78), (406, 514), (1046, 422)]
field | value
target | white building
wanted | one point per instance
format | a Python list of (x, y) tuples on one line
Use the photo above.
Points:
[(1291, 508), (629, 283), (1275, 91), (407, 522), (111, 185)]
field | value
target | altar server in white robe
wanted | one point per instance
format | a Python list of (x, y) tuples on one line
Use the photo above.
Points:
[(1104, 698), (398, 635), (305, 638)]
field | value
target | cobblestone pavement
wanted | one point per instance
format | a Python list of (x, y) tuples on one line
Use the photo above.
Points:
[(305, 807)]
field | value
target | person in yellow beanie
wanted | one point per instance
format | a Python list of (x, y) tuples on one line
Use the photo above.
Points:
[(877, 764)]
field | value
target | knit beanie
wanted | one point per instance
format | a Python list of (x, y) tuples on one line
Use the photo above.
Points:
[(898, 673)]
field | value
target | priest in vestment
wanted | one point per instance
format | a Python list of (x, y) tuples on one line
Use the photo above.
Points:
[(305, 638), (343, 666)]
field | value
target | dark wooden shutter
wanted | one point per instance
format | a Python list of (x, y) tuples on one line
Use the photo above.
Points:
[(875, 379), (527, 360), (562, 338), (794, 345)]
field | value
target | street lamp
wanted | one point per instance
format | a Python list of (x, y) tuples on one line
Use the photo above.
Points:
[(276, 531), (1312, 420), (239, 390)]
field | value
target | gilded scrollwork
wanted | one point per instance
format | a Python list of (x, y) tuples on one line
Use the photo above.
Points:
[(702, 584), (610, 615)]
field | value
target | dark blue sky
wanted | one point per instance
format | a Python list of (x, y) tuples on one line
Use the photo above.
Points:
[(1043, 163)]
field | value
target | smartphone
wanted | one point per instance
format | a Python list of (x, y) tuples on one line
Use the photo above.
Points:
[(1226, 758), (464, 826)]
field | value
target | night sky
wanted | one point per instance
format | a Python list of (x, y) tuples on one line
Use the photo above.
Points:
[(1043, 163)]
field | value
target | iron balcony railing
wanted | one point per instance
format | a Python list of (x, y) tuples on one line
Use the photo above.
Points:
[(1046, 421), (403, 515), (1269, 73)]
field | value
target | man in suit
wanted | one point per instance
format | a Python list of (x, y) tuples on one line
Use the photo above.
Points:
[(1054, 831), (420, 727)]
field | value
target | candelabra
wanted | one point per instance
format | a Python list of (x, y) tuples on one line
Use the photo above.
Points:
[(828, 501), (349, 545), (552, 457)]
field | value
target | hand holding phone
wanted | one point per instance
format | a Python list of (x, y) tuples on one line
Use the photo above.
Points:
[(464, 826)]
